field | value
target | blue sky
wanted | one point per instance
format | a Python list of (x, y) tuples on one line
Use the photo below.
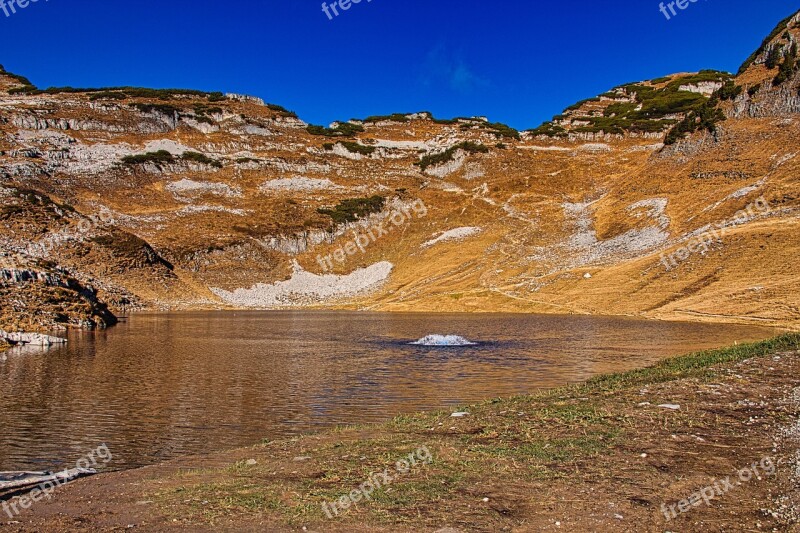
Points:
[(516, 61)]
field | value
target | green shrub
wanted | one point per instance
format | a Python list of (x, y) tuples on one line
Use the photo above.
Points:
[(549, 129), (774, 57), (622, 109), (158, 158), (447, 155), (787, 67), (668, 103), (203, 159), (729, 91), (164, 109), (355, 148), (203, 109), (108, 95), (501, 130), (659, 81), (700, 77), (354, 209), (164, 157), (753, 90), (781, 27), (705, 118), (130, 92), (343, 129), (578, 105), (27, 85), (394, 117), (282, 110)]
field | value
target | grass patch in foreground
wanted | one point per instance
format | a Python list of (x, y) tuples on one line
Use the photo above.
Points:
[(692, 365), (532, 442)]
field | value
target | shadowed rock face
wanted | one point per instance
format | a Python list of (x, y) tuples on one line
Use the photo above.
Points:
[(190, 200)]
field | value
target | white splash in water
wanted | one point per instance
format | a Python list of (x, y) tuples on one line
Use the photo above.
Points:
[(443, 340)]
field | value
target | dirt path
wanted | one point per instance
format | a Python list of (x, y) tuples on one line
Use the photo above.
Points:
[(625, 452)]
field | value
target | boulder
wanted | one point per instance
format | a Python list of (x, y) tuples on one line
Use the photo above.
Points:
[(32, 339)]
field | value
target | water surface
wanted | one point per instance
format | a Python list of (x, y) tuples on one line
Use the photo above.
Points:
[(159, 386)]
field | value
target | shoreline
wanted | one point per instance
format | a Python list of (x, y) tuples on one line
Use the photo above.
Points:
[(550, 443)]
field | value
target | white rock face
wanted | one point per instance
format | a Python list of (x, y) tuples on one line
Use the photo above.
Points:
[(341, 151), (194, 209), (190, 187), (705, 88), (170, 146), (595, 147), (305, 288), (585, 248), (453, 235), (445, 169), (298, 183), (244, 98)]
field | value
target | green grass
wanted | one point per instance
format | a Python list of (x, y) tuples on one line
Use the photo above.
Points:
[(692, 365)]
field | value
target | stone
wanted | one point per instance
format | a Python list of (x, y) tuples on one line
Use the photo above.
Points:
[(32, 339)]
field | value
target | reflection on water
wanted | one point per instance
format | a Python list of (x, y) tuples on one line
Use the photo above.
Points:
[(163, 385)]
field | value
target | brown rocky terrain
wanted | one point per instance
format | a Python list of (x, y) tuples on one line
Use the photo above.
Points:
[(675, 198)]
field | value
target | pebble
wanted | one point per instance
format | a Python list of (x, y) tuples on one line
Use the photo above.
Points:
[(672, 406), (252, 462), (459, 414)]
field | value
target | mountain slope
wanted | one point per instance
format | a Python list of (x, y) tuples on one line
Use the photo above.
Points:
[(210, 200)]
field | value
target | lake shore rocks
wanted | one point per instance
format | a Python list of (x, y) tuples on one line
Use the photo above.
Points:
[(32, 339)]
